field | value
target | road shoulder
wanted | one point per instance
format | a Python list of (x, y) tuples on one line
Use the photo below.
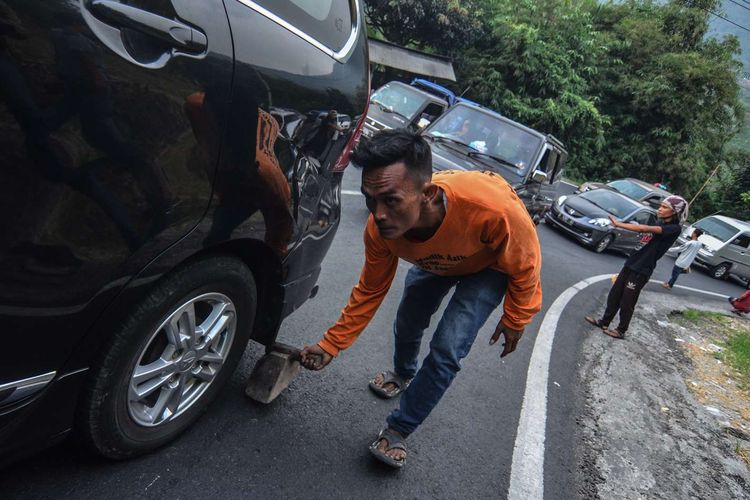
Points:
[(641, 432)]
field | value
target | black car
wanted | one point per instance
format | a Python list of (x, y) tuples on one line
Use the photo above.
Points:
[(585, 217), (169, 190), (469, 137)]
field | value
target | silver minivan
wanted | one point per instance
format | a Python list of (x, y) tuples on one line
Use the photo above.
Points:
[(726, 246)]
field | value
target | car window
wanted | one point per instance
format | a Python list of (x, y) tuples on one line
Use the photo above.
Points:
[(654, 201), (643, 218), (489, 134), (628, 188), (613, 203), (742, 241), (716, 228), (430, 113), (399, 99), (327, 21)]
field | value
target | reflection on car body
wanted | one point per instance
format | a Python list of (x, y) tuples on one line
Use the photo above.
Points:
[(157, 192)]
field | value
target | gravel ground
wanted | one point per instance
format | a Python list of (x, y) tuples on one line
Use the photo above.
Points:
[(642, 434)]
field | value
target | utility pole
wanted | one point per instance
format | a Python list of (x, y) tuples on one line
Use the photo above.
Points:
[(704, 184)]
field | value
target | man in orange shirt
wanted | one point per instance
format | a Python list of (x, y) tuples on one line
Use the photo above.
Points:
[(462, 230)]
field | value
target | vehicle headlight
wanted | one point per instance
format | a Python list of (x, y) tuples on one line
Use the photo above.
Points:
[(601, 222), (561, 199)]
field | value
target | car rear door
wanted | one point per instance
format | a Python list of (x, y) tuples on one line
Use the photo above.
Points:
[(311, 70), (738, 254), (103, 165)]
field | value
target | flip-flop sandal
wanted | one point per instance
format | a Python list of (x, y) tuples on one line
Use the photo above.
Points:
[(393, 442), (596, 322), (390, 377), (614, 333)]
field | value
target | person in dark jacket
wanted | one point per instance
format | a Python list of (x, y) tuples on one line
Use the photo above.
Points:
[(638, 267)]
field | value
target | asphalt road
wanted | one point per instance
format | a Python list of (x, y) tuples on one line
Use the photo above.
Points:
[(312, 442)]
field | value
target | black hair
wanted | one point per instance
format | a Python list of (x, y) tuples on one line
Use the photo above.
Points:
[(392, 146), (697, 232)]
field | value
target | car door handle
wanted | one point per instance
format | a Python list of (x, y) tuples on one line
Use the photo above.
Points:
[(167, 30)]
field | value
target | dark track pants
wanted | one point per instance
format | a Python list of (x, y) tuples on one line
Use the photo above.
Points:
[(623, 297)]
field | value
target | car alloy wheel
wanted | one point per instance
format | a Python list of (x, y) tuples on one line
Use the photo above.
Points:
[(168, 358), (603, 243), (720, 271), (181, 359)]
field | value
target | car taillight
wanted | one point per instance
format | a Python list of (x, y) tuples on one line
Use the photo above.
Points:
[(343, 160)]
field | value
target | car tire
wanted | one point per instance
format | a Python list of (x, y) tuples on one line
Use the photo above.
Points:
[(113, 420), (721, 271), (603, 243)]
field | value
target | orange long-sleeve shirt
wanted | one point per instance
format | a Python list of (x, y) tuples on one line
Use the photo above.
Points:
[(485, 226)]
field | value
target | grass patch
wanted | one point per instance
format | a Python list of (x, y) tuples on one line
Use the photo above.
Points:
[(695, 315), (737, 353)]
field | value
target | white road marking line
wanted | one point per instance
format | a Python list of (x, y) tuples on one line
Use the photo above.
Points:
[(354, 193), (569, 184), (695, 290), (527, 468)]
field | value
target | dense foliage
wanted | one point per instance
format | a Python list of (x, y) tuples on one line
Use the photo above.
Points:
[(633, 88)]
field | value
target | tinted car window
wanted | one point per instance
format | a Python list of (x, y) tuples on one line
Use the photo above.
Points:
[(643, 218), (328, 21), (742, 241), (628, 189), (716, 228), (397, 99), (609, 201)]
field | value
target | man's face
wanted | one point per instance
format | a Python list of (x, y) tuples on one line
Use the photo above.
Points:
[(393, 198), (665, 211)]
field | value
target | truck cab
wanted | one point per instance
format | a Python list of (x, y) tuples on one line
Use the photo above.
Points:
[(468, 137)]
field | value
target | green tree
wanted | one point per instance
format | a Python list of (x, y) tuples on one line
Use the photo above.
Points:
[(536, 65), (443, 26), (670, 94)]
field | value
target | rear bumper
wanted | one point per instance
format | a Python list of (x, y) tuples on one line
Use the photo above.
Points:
[(41, 421)]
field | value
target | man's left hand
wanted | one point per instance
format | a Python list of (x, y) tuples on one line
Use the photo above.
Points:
[(511, 338)]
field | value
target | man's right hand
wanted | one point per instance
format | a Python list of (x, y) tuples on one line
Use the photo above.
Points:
[(313, 357)]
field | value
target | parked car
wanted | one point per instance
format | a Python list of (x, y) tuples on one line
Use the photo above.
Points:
[(167, 196), (397, 105), (468, 137), (585, 217), (638, 190), (726, 247)]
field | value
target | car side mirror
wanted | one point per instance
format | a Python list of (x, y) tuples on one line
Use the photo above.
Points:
[(423, 122), (539, 176)]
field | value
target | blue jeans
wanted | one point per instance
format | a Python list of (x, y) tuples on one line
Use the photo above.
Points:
[(676, 271), (474, 299)]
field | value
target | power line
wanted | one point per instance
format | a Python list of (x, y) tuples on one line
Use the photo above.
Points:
[(744, 5), (726, 19)]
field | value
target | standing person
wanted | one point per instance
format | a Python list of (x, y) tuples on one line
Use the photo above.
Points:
[(688, 251), (638, 268), (466, 231)]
